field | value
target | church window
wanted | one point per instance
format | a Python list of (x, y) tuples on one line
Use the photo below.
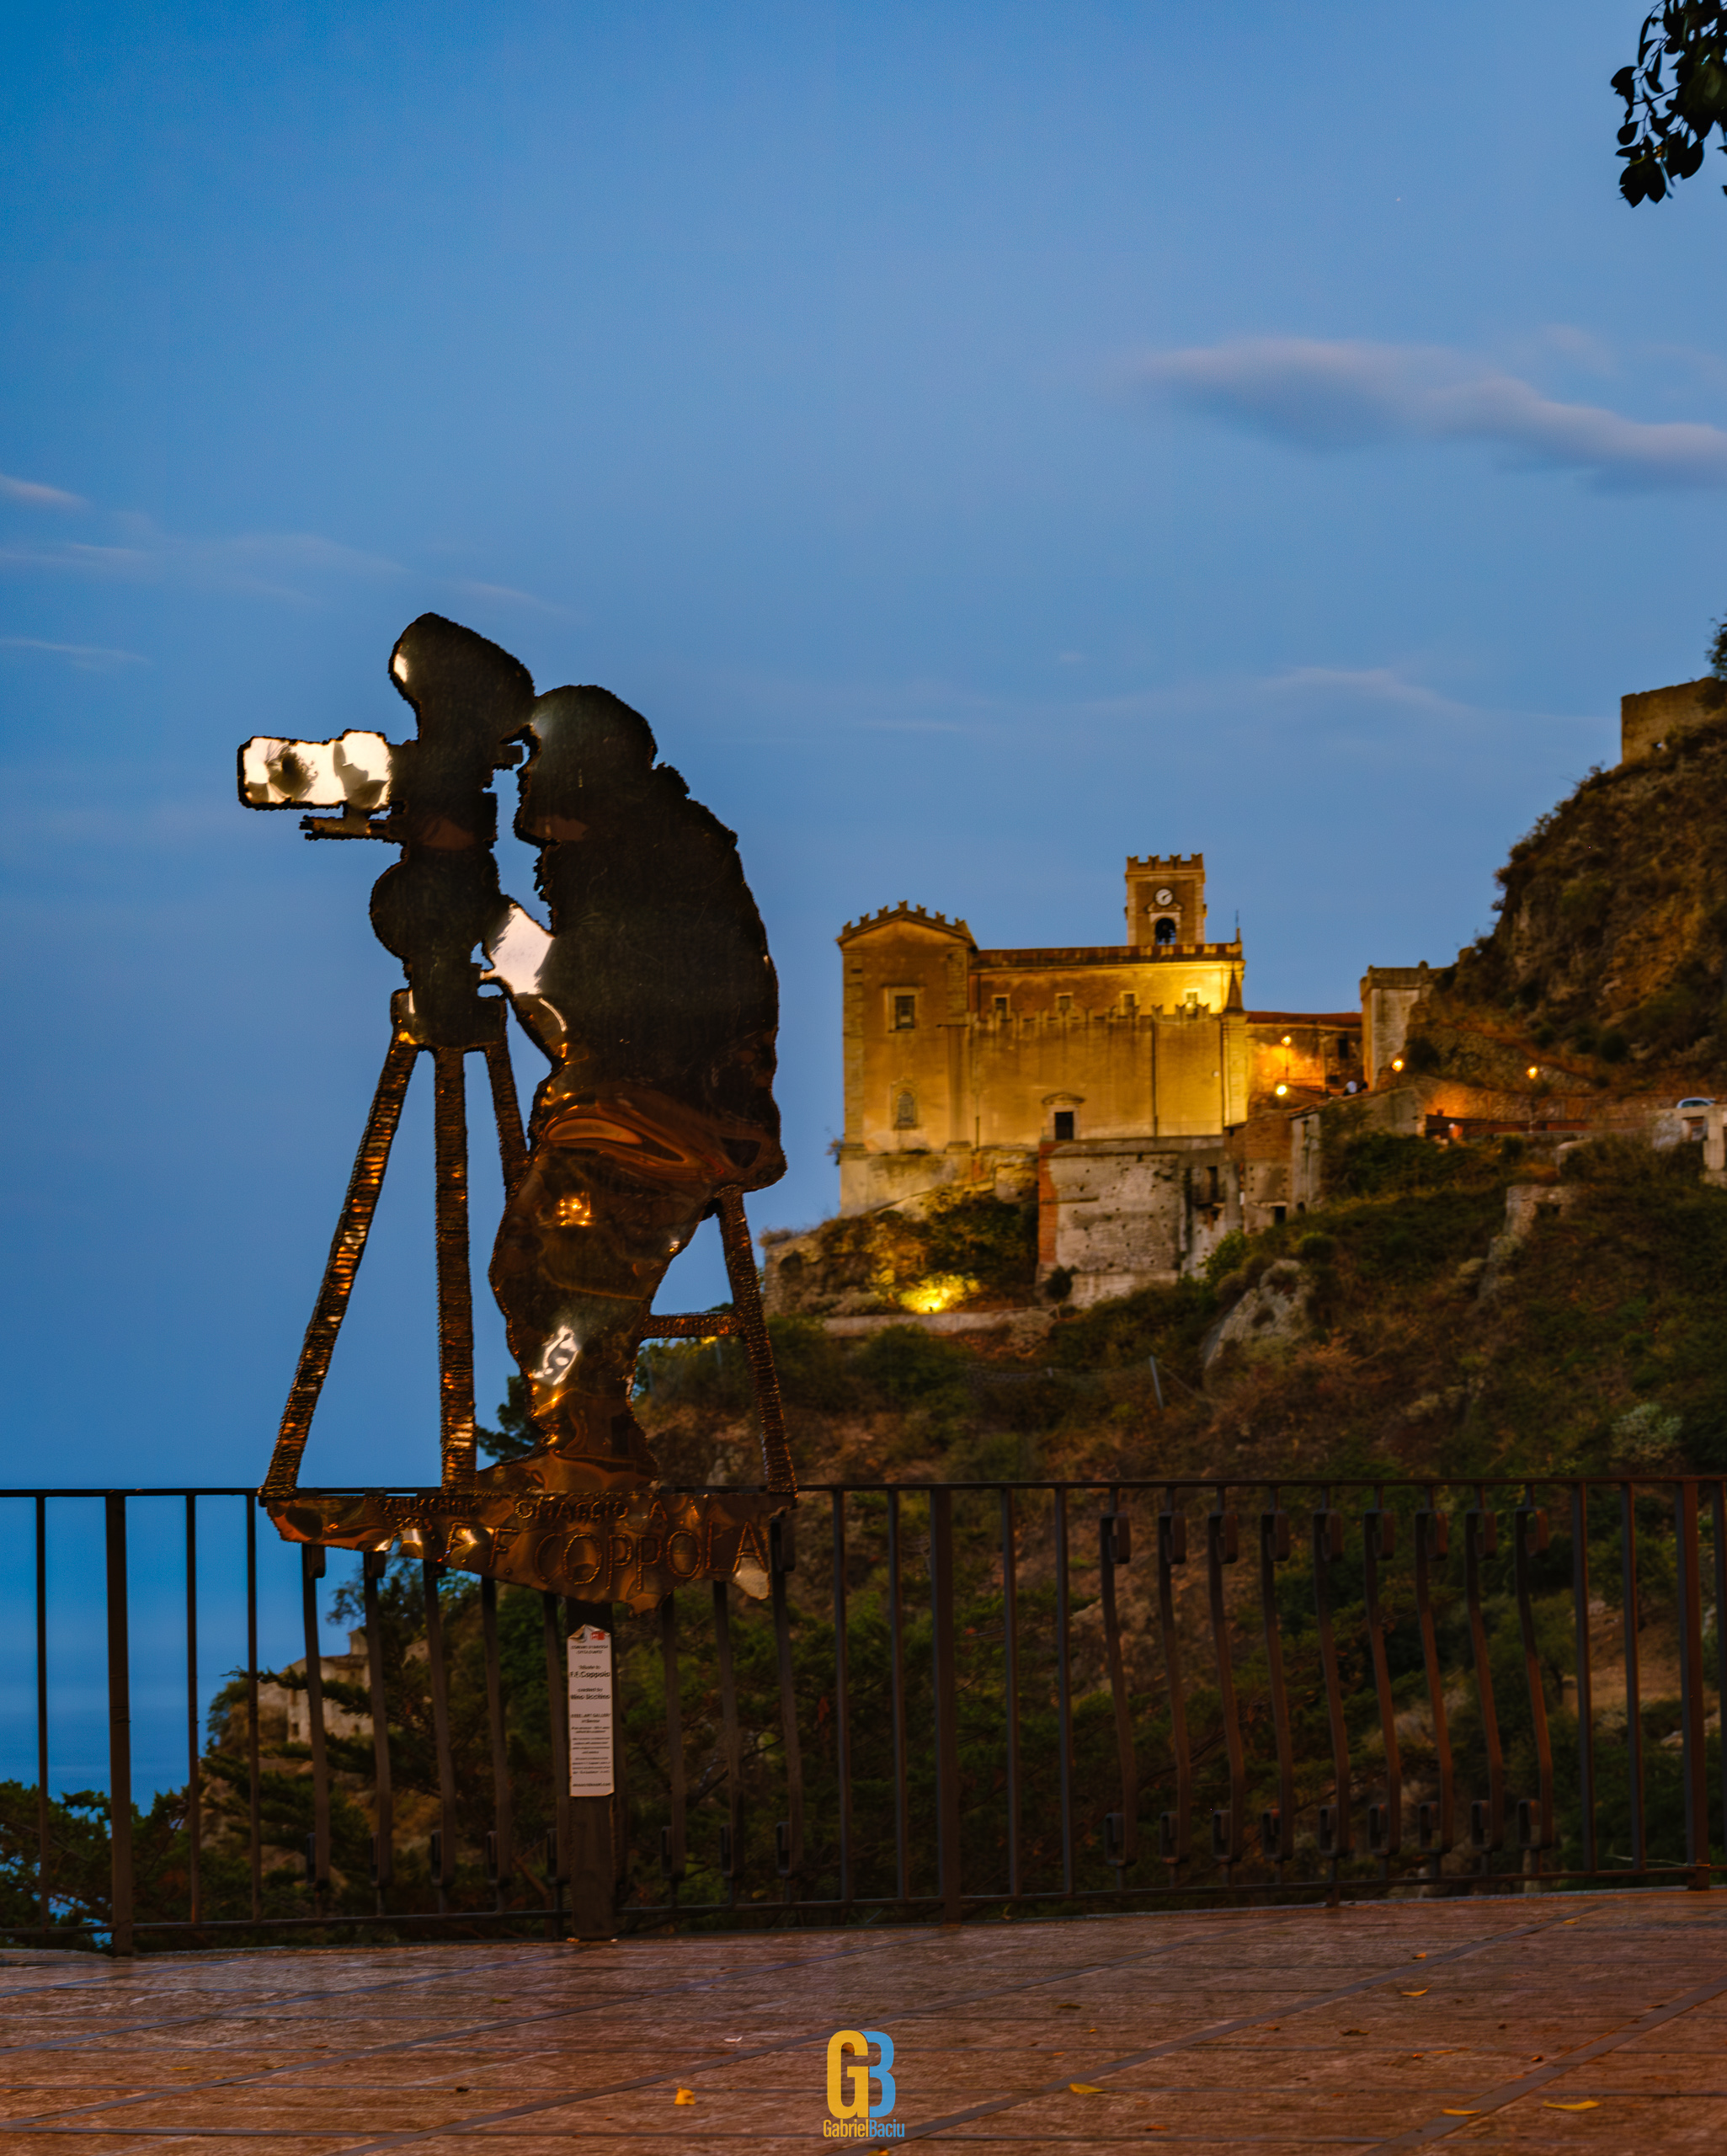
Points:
[(1063, 1126), (1164, 931), (905, 1109), (1064, 1006), (1130, 1003), (1346, 1047), (1001, 1007), (905, 1013)]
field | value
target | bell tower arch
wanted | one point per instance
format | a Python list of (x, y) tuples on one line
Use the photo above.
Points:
[(1166, 899)]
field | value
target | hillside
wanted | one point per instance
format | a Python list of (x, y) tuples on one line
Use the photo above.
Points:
[(1417, 1346), (1607, 965)]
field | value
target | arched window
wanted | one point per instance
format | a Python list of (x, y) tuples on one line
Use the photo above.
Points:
[(905, 1109), (1164, 931)]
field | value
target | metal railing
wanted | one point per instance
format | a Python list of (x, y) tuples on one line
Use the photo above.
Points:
[(1054, 1695)]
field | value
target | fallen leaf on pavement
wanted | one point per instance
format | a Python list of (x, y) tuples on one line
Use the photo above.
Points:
[(684, 2096), (1450, 2114), (1421, 1993), (1588, 2104), (1084, 2087)]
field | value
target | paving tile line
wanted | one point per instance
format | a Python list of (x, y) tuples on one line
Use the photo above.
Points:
[(1526, 2085), (1216, 2029), (259, 2003), (485, 2120), (481, 2126), (41, 2122)]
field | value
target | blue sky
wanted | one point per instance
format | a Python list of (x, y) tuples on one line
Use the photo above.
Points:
[(985, 442)]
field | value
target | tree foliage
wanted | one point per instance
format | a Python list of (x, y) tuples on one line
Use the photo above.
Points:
[(1674, 94)]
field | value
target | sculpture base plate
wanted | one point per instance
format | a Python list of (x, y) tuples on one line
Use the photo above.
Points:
[(634, 1545)]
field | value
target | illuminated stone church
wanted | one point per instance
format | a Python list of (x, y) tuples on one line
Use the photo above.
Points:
[(1124, 1077)]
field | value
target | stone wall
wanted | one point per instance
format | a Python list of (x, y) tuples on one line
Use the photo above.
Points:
[(1652, 717)]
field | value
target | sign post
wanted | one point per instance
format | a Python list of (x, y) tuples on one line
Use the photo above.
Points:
[(593, 1771)]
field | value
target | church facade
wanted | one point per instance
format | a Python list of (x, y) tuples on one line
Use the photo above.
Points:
[(1124, 1078)]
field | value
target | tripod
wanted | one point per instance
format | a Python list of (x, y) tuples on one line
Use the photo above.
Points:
[(456, 1316)]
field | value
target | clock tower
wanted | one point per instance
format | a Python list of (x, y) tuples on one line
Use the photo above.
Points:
[(1166, 898)]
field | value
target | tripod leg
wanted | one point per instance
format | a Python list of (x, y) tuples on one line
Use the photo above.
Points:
[(456, 1294), (346, 1250), (506, 1112), (746, 1299)]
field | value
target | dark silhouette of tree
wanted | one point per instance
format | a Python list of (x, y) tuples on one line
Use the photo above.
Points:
[(1674, 92)]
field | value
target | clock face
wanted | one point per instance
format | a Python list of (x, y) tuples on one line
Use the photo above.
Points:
[(1164, 897)]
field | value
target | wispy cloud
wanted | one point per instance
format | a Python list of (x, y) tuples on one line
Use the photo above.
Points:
[(88, 658), (506, 595), (1334, 396), (36, 495), (286, 565)]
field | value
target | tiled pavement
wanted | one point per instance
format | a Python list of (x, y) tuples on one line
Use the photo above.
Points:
[(1593, 2022)]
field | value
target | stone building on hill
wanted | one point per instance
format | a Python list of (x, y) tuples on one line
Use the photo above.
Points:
[(1122, 1081), (1649, 718)]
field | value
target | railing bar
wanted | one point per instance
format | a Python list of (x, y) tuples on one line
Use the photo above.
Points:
[(254, 1786), (1718, 1523), (438, 1672), (1694, 1758), (731, 1737), (1064, 1681), (941, 1612), (1480, 1532), (194, 1764), (1529, 1521), (1011, 1682), (1633, 1703), (1108, 1527), (502, 1819), (896, 1635), (372, 1570), (1327, 1544), (1377, 1534), (119, 1727), (1220, 1538), (1585, 1673), (311, 1566), (779, 1545), (1174, 1831), (676, 1787), (842, 1697), (1273, 1546), (558, 1702), (44, 1839)]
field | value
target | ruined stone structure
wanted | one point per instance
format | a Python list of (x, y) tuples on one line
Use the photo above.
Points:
[(1651, 718), (1119, 1076)]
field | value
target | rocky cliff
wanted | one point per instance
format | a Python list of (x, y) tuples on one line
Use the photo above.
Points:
[(1607, 967)]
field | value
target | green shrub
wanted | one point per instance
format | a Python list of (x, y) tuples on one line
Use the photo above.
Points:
[(990, 1240), (905, 1364)]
